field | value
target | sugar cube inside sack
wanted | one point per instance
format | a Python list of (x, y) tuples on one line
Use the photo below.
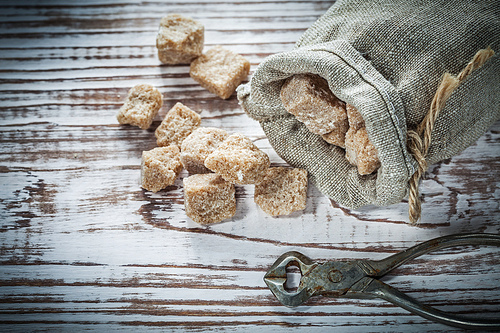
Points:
[(283, 191), (141, 106), (180, 39), (178, 123), (208, 198), (310, 100), (238, 160), (359, 150), (220, 71), (160, 167)]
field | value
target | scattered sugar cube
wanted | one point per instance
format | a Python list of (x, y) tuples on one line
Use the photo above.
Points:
[(238, 160), (180, 39), (178, 123), (309, 99), (359, 150), (160, 167), (283, 191), (142, 105), (220, 71), (208, 198), (198, 145)]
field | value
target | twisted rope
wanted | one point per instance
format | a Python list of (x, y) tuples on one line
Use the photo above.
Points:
[(419, 140)]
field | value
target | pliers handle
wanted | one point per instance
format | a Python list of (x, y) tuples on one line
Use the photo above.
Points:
[(359, 279)]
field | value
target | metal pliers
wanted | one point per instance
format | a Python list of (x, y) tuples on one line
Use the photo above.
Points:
[(359, 279)]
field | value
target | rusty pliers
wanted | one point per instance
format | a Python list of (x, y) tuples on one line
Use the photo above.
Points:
[(359, 279)]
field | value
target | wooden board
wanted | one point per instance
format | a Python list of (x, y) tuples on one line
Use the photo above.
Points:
[(84, 247)]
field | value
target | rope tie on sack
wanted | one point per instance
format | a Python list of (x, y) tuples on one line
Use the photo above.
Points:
[(419, 139)]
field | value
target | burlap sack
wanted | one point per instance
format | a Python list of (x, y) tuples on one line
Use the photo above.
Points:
[(387, 58)]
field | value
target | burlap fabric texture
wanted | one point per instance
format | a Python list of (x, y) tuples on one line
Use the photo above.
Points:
[(387, 58)]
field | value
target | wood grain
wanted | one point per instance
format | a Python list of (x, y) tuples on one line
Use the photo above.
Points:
[(83, 247)]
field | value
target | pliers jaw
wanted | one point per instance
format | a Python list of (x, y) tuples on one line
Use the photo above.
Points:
[(332, 278), (276, 277)]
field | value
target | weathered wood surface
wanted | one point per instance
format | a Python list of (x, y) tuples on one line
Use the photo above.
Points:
[(84, 247)]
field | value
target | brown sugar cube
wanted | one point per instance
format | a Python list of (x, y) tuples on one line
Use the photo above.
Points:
[(335, 137), (309, 99), (179, 122), (180, 39), (198, 145), (220, 71), (160, 167), (238, 160), (359, 151), (355, 118), (142, 105), (208, 198), (283, 191)]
